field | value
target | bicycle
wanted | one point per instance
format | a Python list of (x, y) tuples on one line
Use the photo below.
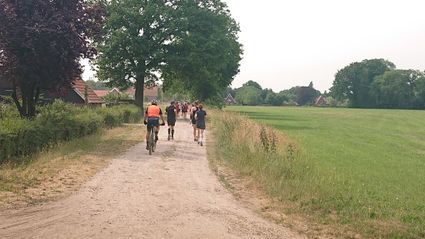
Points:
[(152, 141)]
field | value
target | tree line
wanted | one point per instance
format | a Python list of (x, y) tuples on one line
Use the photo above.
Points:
[(251, 93), (376, 83), (191, 46)]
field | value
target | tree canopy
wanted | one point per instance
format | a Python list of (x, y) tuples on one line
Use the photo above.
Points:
[(354, 81), (41, 43), (191, 45)]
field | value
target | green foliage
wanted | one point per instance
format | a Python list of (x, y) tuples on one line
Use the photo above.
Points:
[(204, 58), (354, 82), (248, 95), (251, 93), (55, 123), (368, 166), (399, 89)]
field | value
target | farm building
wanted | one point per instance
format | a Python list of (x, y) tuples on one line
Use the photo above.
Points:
[(150, 93), (79, 93), (230, 100), (104, 93), (321, 101)]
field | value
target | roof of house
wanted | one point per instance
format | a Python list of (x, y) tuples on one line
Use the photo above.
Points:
[(80, 87), (321, 100), (148, 92), (101, 93), (151, 91)]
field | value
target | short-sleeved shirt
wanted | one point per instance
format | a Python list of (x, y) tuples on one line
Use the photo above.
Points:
[(200, 118), (171, 113), (153, 111)]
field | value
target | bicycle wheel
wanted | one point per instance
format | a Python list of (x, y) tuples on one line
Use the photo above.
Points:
[(151, 142)]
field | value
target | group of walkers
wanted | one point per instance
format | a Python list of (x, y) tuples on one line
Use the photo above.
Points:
[(197, 115)]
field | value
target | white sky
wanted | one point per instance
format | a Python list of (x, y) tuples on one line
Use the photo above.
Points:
[(292, 42)]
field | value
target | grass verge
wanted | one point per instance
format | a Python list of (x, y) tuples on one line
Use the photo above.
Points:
[(55, 173)]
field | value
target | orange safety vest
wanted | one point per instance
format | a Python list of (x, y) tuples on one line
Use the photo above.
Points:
[(154, 111)]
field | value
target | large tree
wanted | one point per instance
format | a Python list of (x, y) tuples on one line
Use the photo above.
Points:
[(41, 43), (136, 37), (354, 81), (205, 58), (399, 89)]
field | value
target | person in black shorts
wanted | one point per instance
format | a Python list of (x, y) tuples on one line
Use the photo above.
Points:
[(193, 111), (171, 119), (200, 123)]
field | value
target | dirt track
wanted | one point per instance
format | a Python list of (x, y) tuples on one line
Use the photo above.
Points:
[(171, 194)]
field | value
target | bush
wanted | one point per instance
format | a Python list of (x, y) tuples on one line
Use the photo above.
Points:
[(55, 123)]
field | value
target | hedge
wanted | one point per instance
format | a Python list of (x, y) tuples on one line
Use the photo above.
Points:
[(55, 123)]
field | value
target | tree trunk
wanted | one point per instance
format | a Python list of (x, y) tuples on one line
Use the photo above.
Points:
[(140, 85), (29, 98)]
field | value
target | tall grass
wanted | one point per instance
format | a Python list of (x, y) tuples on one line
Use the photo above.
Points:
[(263, 153)]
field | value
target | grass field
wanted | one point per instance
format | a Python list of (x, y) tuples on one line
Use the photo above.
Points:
[(369, 165)]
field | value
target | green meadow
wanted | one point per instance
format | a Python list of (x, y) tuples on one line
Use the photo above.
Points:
[(369, 165)]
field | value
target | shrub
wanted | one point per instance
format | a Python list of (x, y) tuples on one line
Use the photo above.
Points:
[(56, 122)]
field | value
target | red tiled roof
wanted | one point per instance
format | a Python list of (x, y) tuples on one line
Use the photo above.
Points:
[(149, 91), (101, 93), (80, 87)]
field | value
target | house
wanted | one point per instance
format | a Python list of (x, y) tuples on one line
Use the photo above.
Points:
[(79, 93), (150, 93), (321, 101), (230, 100), (104, 93)]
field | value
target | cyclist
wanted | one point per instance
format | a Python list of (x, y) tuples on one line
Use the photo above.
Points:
[(171, 119), (152, 115), (200, 123)]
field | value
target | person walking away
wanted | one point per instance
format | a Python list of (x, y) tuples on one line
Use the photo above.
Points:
[(171, 119), (184, 110), (152, 115), (200, 123), (177, 108), (193, 118)]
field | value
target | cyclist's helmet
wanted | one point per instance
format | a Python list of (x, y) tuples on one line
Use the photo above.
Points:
[(154, 102)]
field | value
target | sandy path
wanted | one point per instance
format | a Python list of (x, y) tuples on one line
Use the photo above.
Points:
[(171, 194)]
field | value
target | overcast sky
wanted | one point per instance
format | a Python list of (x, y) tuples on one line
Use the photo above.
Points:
[(292, 42)]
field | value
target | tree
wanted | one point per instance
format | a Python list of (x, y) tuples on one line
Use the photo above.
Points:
[(189, 44), (399, 89), (41, 43), (205, 58), (248, 95), (354, 81), (136, 36), (306, 95)]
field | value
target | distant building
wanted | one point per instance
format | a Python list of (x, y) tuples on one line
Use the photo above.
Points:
[(149, 94), (79, 93), (321, 101), (230, 100), (103, 93)]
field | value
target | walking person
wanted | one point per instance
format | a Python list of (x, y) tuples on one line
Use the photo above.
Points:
[(200, 124), (193, 118), (171, 119), (184, 110)]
